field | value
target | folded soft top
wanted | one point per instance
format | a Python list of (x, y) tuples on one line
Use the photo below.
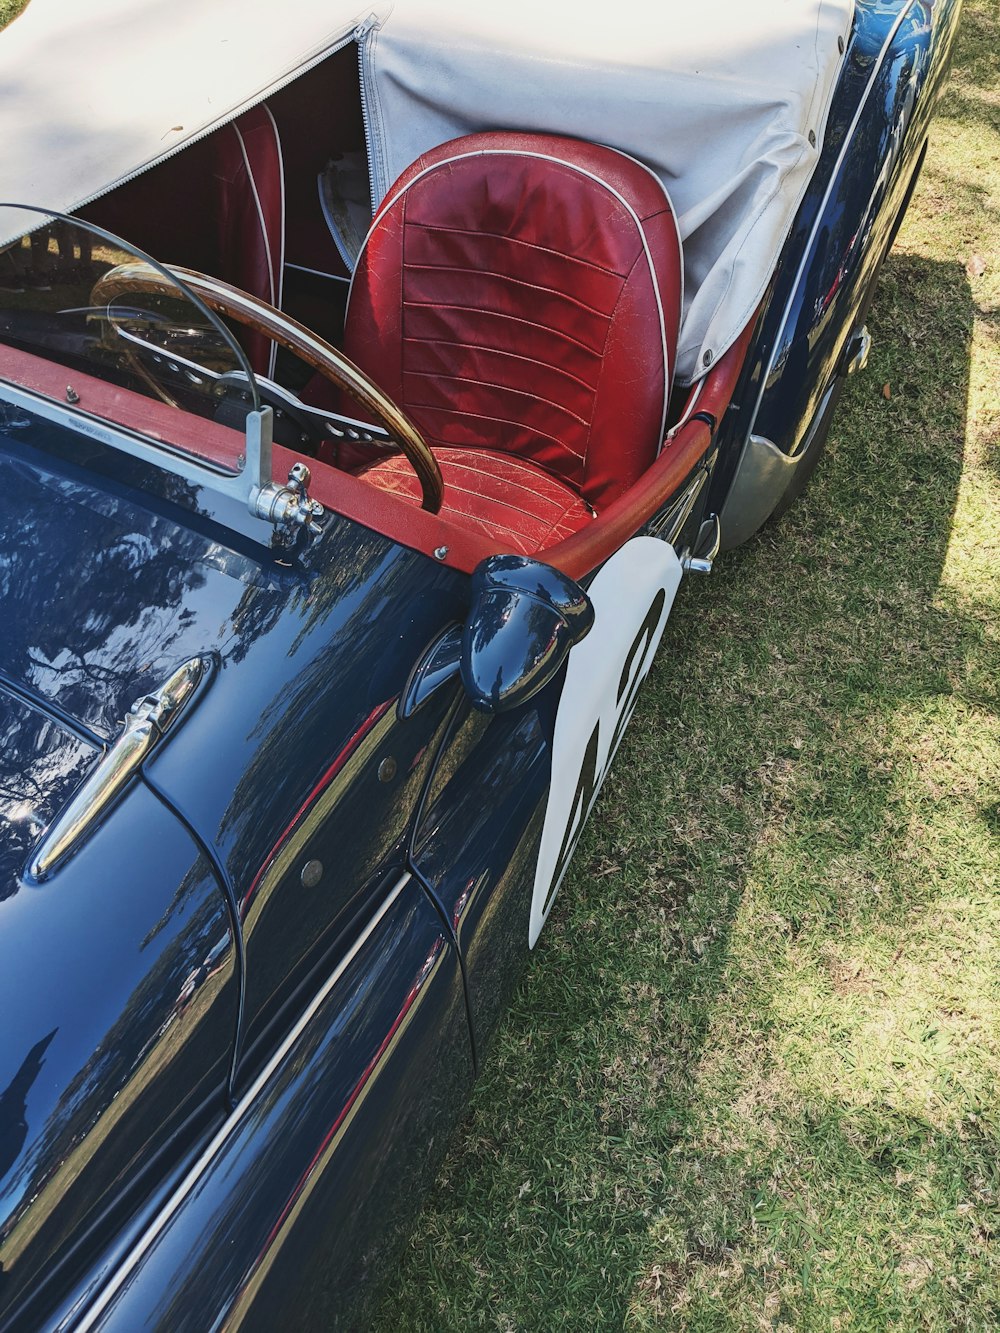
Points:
[(725, 101)]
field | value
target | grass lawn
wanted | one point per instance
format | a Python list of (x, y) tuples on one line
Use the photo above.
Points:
[(751, 1079), (10, 9)]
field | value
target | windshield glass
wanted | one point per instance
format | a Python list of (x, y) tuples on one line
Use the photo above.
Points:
[(91, 322)]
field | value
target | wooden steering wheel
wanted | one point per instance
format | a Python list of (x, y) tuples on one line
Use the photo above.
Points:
[(134, 278)]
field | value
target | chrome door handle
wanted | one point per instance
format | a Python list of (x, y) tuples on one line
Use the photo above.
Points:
[(146, 723)]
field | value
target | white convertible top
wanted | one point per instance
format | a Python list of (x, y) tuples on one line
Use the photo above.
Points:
[(725, 100)]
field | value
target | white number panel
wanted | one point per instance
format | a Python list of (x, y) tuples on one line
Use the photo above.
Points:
[(632, 596)]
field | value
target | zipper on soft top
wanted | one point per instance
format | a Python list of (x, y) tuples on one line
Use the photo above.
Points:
[(364, 35)]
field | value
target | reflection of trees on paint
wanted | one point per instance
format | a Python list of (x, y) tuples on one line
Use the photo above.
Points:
[(165, 1033), (40, 765), (92, 589), (13, 1108)]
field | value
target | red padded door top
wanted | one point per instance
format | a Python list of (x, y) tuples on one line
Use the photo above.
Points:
[(522, 293)]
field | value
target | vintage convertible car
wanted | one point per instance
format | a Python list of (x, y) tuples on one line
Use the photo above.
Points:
[(334, 552)]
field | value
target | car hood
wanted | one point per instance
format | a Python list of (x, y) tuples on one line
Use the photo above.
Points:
[(106, 589), (102, 597)]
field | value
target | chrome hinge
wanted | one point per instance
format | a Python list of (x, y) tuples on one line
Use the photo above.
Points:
[(289, 507), (146, 722)]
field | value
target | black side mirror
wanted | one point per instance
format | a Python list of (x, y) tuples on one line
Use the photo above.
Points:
[(524, 618)]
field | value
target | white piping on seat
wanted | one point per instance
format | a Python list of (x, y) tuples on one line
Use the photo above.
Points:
[(680, 248), (275, 293), (572, 166), (694, 393), (281, 178)]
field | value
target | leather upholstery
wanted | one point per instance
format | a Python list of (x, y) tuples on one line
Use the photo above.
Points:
[(521, 293), (251, 214), (508, 499)]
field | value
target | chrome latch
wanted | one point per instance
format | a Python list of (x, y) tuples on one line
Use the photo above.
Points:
[(698, 560), (289, 507), (146, 723)]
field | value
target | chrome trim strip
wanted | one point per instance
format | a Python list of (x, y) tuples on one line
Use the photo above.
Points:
[(146, 723), (262, 223), (668, 528), (318, 272), (281, 173), (159, 1223), (821, 211)]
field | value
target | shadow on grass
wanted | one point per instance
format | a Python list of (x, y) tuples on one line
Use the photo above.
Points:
[(855, 977), (755, 811)]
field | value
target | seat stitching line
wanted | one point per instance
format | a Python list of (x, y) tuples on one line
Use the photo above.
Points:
[(531, 469), (499, 351), (514, 282), (500, 314), (483, 416), (397, 467), (513, 240), (506, 504), (412, 492), (562, 504), (506, 388)]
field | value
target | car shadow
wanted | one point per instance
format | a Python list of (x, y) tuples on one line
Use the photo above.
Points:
[(756, 810)]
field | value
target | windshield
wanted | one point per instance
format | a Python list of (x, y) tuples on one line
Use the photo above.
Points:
[(91, 322)]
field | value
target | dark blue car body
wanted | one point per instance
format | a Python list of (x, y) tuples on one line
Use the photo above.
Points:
[(241, 1021)]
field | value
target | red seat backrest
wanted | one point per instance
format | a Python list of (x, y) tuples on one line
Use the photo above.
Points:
[(522, 293)]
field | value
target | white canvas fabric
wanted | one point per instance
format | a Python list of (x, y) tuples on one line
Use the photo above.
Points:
[(93, 91), (725, 100)]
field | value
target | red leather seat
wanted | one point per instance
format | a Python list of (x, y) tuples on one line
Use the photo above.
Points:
[(519, 297), (510, 499)]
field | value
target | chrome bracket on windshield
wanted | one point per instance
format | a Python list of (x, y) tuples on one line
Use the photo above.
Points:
[(146, 723), (288, 507)]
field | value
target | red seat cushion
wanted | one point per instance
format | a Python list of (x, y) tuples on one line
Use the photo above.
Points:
[(521, 293), (510, 499)]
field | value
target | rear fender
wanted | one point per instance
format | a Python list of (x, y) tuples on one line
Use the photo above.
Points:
[(896, 64)]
